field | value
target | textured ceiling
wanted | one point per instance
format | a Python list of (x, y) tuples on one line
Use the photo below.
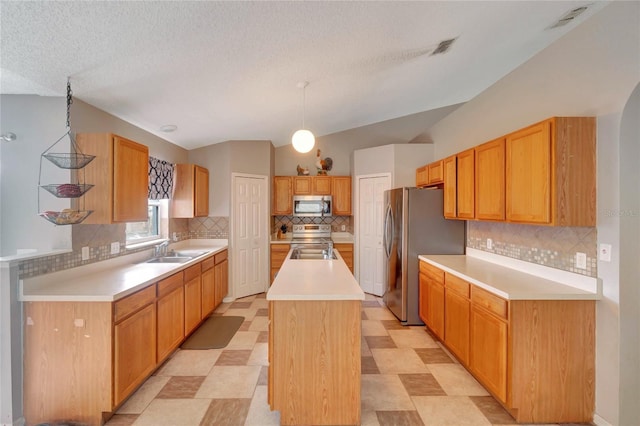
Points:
[(229, 70)]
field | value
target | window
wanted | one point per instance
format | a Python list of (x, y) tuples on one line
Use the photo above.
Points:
[(138, 232)]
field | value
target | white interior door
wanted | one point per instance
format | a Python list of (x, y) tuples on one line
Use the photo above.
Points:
[(249, 235), (370, 222)]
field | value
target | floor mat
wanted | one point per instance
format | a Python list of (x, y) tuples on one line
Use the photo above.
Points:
[(214, 333)]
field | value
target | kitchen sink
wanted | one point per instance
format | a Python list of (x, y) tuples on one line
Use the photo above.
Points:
[(170, 259), (312, 253)]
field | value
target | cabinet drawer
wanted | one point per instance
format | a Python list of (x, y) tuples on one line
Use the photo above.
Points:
[(280, 248), (432, 272), (207, 263), (167, 285), (456, 285), (192, 272), (130, 304), (489, 301), (221, 256)]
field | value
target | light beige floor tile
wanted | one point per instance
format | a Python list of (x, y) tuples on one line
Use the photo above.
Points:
[(449, 411), (190, 363), (398, 361), (259, 412), (230, 382), (364, 347), (455, 380), (222, 308), (243, 340), (369, 418), (384, 392), (143, 396), (248, 314), (373, 328), (381, 313), (260, 304), (259, 354), (259, 324), (172, 412), (412, 338)]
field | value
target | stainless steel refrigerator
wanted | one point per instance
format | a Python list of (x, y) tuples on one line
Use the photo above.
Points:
[(414, 224)]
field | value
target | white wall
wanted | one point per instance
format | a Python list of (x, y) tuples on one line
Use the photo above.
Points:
[(590, 71), (401, 160)]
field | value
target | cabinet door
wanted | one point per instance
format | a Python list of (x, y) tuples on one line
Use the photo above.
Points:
[(465, 184), (436, 173), (435, 308), (423, 298), (302, 185), (282, 196), (208, 292), (170, 321), (489, 180), (457, 311), (450, 187), (346, 251), (130, 180), (488, 351), (221, 280), (341, 195), (134, 352), (201, 192), (192, 298), (422, 176), (321, 185), (528, 174), (278, 255)]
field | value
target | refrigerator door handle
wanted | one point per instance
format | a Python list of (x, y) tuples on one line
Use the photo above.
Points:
[(386, 237)]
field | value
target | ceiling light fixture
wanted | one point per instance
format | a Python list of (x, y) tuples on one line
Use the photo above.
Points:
[(8, 136), (303, 140), (168, 128)]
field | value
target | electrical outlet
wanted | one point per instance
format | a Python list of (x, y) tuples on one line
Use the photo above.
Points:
[(489, 243), (605, 252), (85, 253), (343, 228), (115, 248), (581, 260)]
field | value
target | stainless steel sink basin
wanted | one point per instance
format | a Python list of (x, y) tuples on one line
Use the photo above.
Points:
[(170, 259), (187, 253), (309, 253)]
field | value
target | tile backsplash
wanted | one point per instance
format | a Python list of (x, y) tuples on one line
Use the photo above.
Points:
[(550, 246), (336, 222)]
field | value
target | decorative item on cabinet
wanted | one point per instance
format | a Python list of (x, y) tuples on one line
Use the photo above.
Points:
[(72, 160), (190, 191), (323, 166)]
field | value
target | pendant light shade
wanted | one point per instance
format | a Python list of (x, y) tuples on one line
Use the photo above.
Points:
[(303, 140)]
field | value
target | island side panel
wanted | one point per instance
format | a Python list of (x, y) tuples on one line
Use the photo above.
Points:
[(315, 364), (67, 361)]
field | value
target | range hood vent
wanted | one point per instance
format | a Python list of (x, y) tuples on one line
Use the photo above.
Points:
[(568, 17), (443, 46)]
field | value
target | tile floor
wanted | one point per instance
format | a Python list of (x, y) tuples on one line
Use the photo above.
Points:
[(407, 379)]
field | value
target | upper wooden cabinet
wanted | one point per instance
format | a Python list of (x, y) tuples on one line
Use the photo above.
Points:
[(490, 180), (312, 185), (422, 176), (430, 174), (302, 185), (120, 175), (282, 196), (190, 191), (465, 184), (321, 185), (550, 173), (341, 195), (450, 172)]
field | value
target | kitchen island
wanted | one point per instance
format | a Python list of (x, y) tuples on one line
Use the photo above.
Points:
[(314, 343)]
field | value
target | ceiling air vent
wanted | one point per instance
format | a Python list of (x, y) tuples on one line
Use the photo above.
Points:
[(443, 46), (568, 17)]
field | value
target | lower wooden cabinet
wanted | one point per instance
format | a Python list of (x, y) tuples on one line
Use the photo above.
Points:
[(170, 310), (456, 317), (192, 298), (432, 306), (208, 287), (346, 251), (278, 255), (221, 274)]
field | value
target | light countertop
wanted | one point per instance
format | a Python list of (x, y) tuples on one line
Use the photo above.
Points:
[(336, 237), (113, 279), (514, 284), (315, 280)]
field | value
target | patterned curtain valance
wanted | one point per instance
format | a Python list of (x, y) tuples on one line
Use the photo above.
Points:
[(160, 179)]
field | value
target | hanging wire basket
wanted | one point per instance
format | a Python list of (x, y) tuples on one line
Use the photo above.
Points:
[(69, 160), (67, 190), (66, 216)]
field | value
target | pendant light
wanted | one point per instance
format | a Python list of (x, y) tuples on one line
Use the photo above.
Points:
[(303, 140)]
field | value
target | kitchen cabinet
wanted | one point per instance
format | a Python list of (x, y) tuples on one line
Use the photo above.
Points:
[(536, 357), (456, 319), (192, 298), (321, 185), (221, 276), (302, 185), (490, 180), (120, 177), (190, 196), (431, 280), (134, 349), (436, 172), (465, 184), (282, 196), (170, 310), (346, 251), (208, 287), (422, 176), (450, 173), (550, 173), (278, 255), (341, 195)]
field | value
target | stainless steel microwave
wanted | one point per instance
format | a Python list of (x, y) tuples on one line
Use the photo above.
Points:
[(312, 205)]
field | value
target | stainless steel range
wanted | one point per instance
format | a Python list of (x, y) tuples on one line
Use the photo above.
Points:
[(312, 242)]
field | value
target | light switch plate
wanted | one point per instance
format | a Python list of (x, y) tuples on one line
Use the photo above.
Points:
[(489, 243), (115, 248), (581, 260), (605, 252), (85, 253)]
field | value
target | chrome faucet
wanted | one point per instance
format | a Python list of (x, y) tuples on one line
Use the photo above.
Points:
[(161, 249), (330, 249)]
